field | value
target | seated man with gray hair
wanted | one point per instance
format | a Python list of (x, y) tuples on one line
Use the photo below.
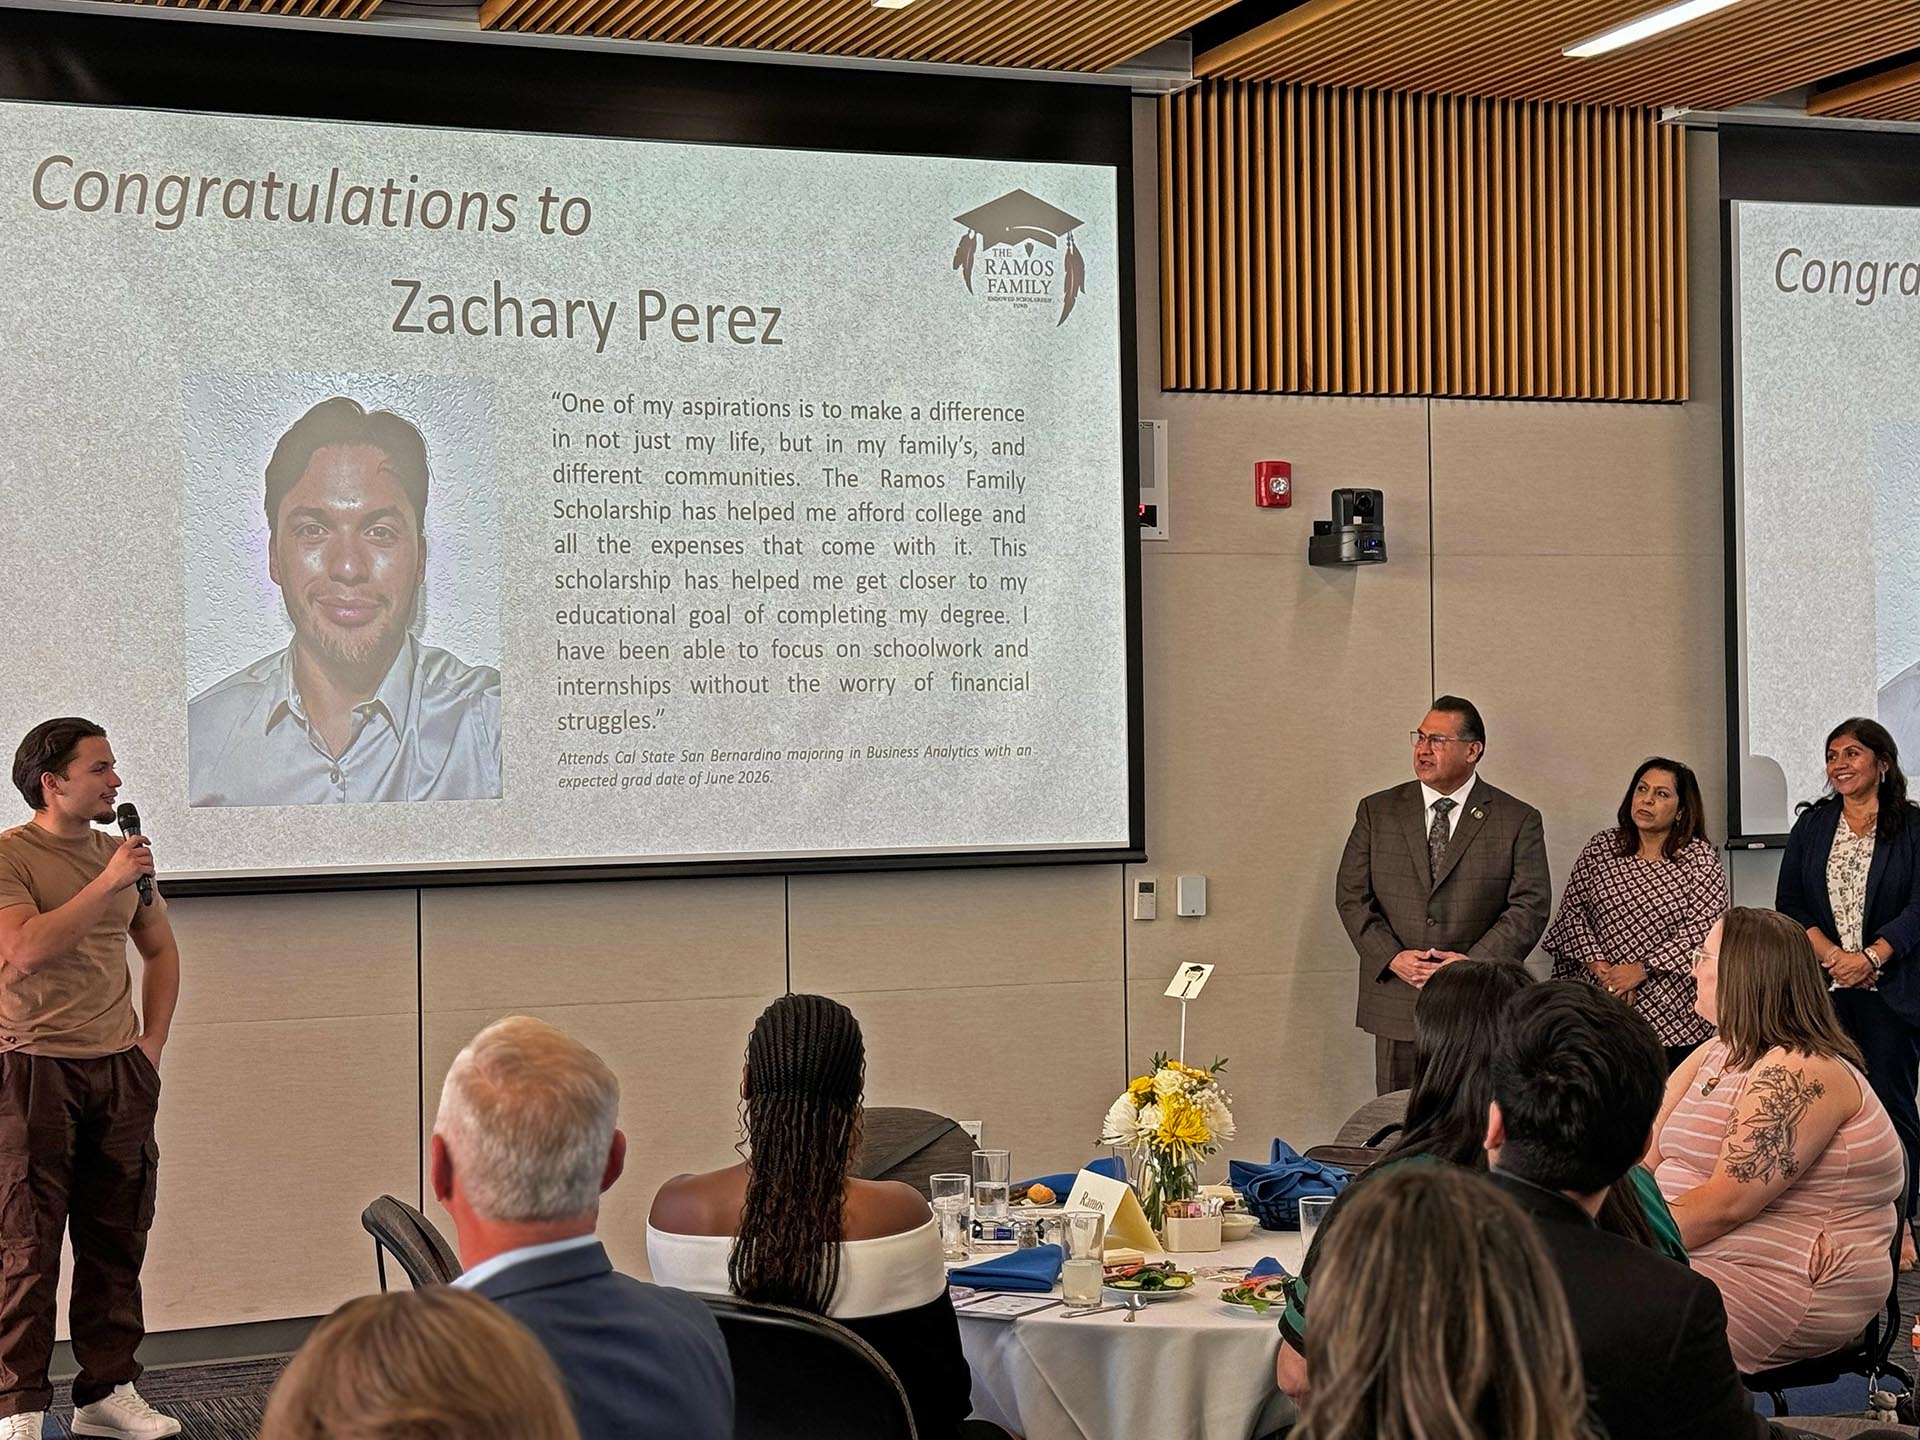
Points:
[(523, 1147)]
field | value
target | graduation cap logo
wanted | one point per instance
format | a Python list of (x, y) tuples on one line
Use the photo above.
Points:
[(1018, 222)]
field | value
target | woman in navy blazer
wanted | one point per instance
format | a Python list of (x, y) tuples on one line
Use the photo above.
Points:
[(1869, 945)]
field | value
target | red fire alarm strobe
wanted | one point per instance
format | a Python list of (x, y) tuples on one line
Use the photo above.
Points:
[(1273, 483)]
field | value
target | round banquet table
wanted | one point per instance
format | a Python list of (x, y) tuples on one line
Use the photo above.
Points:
[(1186, 1369)]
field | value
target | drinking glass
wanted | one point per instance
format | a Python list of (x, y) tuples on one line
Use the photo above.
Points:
[(992, 1174), (1080, 1270), (990, 1209), (1313, 1210), (950, 1209)]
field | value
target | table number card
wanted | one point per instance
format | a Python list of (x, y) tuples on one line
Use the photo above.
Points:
[(1126, 1222)]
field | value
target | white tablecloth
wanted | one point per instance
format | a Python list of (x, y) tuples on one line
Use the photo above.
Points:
[(1187, 1369)]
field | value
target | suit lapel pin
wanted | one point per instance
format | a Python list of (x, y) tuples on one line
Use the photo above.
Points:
[(1478, 813)]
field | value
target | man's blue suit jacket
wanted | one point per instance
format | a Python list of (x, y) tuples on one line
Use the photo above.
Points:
[(639, 1360)]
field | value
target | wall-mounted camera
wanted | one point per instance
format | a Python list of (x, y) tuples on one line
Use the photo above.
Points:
[(1357, 533)]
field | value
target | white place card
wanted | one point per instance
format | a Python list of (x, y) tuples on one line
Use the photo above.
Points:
[(1126, 1222)]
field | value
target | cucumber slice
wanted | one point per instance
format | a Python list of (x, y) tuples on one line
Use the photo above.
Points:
[(1132, 1282), (1176, 1282)]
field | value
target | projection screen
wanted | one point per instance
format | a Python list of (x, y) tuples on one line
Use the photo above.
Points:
[(411, 500)]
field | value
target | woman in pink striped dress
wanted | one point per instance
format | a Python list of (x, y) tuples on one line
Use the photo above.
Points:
[(1779, 1163)]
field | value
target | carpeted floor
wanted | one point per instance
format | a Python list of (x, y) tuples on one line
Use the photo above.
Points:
[(211, 1402)]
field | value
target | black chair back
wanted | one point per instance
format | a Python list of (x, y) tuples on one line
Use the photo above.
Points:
[(797, 1376), (897, 1143), (403, 1232)]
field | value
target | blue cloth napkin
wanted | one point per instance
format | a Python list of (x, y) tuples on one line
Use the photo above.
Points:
[(1273, 1191), (1111, 1166), (1036, 1270), (1265, 1265)]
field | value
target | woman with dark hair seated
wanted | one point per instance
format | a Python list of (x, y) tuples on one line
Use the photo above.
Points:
[(788, 1227), (1851, 877), (1641, 898)]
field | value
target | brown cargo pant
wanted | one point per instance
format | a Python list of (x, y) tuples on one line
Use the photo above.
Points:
[(76, 1151)]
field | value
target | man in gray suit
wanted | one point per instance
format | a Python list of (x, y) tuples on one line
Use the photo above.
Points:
[(1442, 868)]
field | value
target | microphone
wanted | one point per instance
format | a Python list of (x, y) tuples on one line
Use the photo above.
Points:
[(129, 819)]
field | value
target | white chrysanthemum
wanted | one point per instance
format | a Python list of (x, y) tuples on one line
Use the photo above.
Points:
[(1122, 1125), (1167, 1082), (1219, 1117)]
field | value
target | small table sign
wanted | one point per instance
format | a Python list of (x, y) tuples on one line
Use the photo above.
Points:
[(1126, 1222)]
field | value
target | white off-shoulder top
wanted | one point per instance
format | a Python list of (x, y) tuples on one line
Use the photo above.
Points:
[(881, 1276)]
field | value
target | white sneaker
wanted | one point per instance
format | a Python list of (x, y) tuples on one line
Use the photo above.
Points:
[(24, 1426), (123, 1415)]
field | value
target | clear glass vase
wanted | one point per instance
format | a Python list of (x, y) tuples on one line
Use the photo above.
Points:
[(1159, 1178)]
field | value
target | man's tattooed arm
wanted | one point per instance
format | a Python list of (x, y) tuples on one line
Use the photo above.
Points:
[(1760, 1147)]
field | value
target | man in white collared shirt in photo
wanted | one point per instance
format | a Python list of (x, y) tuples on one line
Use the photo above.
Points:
[(354, 709), (1441, 868)]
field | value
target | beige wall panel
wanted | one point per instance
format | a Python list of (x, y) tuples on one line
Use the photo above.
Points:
[(273, 1137), (1213, 440), (1277, 695), (601, 943), (1641, 482), (945, 929), (1038, 1063), (1296, 1067), (247, 958), (679, 1068), (1579, 684)]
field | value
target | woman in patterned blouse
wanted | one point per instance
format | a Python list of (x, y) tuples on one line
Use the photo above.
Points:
[(1642, 895), (1851, 876)]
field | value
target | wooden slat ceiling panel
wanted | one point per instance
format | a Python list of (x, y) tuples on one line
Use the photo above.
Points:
[(1891, 95), (1321, 241), (302, 9), (1510, 49), (1081, 35)]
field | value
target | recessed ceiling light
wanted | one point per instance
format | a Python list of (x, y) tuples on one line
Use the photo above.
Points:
[(1655, 22)]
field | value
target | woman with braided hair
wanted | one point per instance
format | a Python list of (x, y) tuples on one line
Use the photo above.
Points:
[(788, 1227)]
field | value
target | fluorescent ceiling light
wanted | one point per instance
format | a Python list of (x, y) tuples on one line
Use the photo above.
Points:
[(1656, 22), (891, 4)]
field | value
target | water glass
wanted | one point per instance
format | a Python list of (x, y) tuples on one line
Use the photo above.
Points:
[(1080, 1271), (990, 1208), (1313, 1210), (950, 1197), (992, 1177)]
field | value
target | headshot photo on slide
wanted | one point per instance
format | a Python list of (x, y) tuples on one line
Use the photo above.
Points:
[(342, 559)]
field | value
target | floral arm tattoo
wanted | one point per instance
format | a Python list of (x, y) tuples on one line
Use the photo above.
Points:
[(1760, 1148)]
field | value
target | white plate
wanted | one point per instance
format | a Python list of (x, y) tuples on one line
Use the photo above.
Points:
[(1151, 1297), (1247, 1312)]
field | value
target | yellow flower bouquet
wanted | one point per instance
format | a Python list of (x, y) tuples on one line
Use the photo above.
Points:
[(1171, 1119)]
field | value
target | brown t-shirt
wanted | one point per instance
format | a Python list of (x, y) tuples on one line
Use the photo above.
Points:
[(82, 1003)]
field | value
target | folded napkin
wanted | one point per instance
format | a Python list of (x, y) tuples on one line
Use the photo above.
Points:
[(1265, 1265), (1036, 1269), (1273, 1191), (1111, 1166)]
